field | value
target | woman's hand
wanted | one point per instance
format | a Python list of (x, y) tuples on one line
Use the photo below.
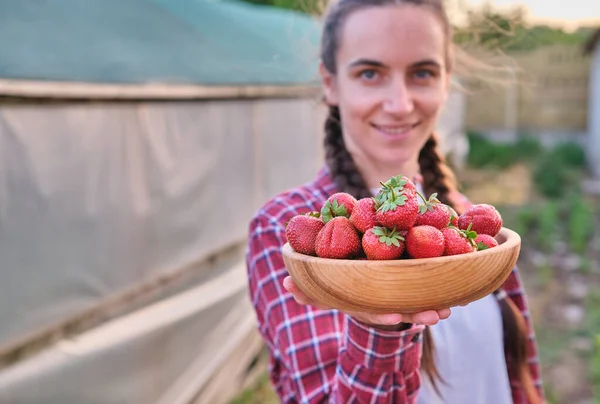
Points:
[(384, 321)]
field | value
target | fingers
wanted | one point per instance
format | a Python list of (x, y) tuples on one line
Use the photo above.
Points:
[(291, 287), (430, 317), (444, 314), (377, 319), (299, 296)]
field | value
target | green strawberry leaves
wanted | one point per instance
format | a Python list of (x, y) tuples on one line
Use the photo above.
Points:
[(428, 205), (333, 209), (469, 234), (396, 182), (388, 236), (482, 246), (452, 218), (391, 195), (392, 204), (311, 214)]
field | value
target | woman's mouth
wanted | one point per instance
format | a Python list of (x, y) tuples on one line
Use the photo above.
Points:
[(395, 132)]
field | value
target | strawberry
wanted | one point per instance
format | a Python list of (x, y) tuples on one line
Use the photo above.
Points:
[(363, 214), (458, 241), (424, 242), (396, 204), (301, 232), (485, 241), (433, 213), (453, 216), (338, 204), (485, 219), (380, 243), (338, 239)]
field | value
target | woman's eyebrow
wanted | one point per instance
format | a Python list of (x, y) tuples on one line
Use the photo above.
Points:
[(427, 62), (376, 63), (366, 62)]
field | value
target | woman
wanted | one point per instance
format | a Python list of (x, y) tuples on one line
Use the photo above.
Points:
[(386, 68)]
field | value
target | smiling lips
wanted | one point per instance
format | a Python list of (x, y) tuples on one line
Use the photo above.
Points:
[(396, 132)]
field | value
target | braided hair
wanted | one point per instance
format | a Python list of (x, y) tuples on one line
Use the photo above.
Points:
[(343, 170)]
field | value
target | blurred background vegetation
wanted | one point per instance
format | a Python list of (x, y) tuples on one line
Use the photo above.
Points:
[(509, 29)]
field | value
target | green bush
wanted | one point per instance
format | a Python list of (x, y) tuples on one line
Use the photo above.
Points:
[(549, 218), (526, 220), (484, 153), (555, 171), (570, 153), (551, 176), (528, 147), (580, 222)]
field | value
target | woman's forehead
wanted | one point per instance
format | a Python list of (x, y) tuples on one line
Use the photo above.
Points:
[(392, 34)]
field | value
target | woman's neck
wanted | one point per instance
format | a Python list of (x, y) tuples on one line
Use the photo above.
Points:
[(376, 172)]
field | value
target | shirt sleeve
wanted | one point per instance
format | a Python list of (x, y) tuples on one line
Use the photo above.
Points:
[(315, 357), (514, 289)]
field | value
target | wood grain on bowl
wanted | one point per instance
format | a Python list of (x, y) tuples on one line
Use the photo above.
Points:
[(406, 285)]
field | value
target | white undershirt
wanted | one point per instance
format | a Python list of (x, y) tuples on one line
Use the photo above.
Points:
[(469, 354)]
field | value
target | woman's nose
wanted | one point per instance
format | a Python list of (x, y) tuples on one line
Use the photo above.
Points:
[(398, 99)]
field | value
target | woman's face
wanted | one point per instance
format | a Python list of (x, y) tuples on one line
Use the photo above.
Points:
[(391, 81)]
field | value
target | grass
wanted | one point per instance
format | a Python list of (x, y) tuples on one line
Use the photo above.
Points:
[(593, 331), (555, 170), (260, 392)]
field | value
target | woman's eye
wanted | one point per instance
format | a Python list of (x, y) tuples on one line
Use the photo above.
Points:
[(368, 74), (423, 74)]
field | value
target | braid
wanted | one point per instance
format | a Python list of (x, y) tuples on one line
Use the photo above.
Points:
[(344, 172), (437, 176)]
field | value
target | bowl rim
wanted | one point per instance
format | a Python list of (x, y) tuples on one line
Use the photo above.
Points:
[(512, 240)]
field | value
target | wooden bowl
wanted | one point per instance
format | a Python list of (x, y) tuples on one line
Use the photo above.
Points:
[(407, 285)]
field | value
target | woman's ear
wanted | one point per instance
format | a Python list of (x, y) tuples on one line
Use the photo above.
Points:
[(329, 85)]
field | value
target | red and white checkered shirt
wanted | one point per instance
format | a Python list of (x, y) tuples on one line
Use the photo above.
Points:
[(319, 356)]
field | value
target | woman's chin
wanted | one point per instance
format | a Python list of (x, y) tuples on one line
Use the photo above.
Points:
[(396, 157)]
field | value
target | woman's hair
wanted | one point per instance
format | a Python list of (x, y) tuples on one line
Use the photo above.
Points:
[(437, 177)]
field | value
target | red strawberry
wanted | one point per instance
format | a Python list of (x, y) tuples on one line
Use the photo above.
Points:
[(339, 204), (453, 216), (380, 243), (433, 213), (396, 203), (338, 239), (363, 214), (425, 242), (485, 241), (301, 232), (485, 219), (458, 242)]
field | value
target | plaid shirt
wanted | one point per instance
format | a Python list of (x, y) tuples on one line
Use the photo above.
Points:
[(321, 356)]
